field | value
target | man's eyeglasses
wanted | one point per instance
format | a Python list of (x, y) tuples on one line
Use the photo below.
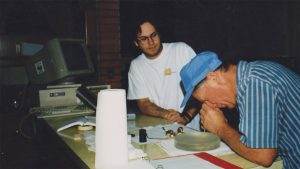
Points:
[(144, 39)]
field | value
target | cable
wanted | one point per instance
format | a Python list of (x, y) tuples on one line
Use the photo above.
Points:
[(25, 91), (23, 119), (20, 126)]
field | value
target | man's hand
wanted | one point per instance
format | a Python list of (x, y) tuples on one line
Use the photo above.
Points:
[(212, 118), (174, 116), (149, 108)]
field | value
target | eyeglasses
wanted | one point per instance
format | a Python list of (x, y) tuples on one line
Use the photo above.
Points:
[(144, 39)]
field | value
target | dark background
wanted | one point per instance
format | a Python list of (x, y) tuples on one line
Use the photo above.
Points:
[(238, 29)]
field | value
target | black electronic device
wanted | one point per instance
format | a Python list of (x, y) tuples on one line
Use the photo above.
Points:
[(87, 97), (192, 103)]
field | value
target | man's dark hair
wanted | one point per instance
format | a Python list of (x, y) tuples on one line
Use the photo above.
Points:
[(226, 64), (137, 26), (227, 60)]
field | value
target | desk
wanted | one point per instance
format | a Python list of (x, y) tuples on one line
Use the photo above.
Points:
[(78, 150)]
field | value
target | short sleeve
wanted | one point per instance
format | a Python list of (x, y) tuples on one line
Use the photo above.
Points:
[(191, 52), (188, 51)]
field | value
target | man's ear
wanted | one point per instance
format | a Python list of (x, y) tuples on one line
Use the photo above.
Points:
[(211, 75)]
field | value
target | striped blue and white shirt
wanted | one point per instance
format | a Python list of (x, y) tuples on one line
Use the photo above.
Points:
[(268, 99)]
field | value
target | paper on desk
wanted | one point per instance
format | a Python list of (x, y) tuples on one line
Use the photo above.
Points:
[(188, 162), (171, 150), (131, 125), (136, 164), (133, 153)]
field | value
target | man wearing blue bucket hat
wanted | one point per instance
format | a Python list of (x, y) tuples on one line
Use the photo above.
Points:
[(267, 96)]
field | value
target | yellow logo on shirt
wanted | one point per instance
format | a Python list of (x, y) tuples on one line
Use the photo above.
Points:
[(168, 71)]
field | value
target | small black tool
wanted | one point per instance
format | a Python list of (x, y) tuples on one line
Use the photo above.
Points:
[(142, 135)]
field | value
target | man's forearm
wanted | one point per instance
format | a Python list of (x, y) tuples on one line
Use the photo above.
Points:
[(232, 138), (151, 109)]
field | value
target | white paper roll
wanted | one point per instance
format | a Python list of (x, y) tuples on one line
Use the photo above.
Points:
[(111, 129)]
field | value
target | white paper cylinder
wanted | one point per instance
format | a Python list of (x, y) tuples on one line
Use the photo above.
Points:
[(111, 129)]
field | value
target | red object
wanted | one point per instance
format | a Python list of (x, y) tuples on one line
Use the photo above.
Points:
[(217, 161)]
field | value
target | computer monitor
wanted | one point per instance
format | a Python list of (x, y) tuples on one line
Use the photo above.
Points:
[(60, 61)]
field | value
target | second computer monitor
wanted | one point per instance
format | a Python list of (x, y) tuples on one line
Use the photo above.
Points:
[(60, 61)]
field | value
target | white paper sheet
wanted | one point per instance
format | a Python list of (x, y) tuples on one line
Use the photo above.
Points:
[(133, 153), (137, 164), (169, 147)]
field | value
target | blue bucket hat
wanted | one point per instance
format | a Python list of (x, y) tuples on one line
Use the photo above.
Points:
[(196, 70)]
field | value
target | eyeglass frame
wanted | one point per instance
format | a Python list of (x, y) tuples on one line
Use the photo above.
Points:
[(145, 39)]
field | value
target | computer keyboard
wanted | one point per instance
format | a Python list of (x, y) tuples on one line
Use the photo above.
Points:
[(57, 111)]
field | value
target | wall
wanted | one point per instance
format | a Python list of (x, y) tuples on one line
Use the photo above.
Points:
[(108, 43)]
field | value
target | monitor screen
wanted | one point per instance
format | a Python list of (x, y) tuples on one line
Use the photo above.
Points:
[(60, 61), (74, 56)]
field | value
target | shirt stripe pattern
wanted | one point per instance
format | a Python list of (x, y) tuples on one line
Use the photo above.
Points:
[(268, 98)]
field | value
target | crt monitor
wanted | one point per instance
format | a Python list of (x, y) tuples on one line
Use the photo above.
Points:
[(60, 61)]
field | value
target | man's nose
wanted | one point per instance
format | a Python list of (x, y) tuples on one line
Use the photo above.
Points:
[(150, 41)]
